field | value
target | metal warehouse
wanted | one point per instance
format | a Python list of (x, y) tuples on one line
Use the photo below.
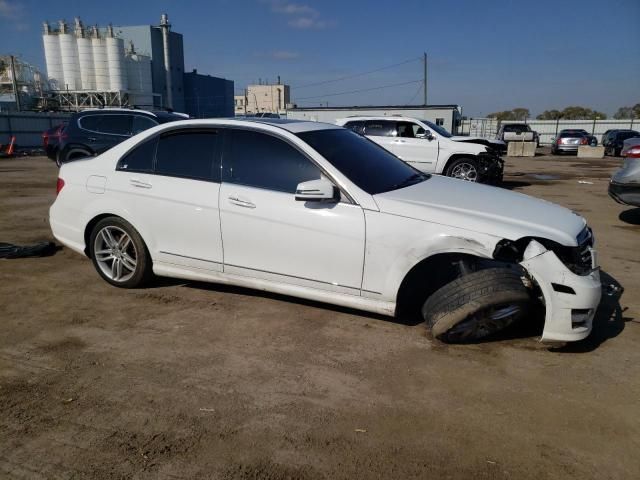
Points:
[(447, 116)]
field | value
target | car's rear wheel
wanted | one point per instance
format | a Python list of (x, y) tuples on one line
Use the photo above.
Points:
[(476, 305), (464, 169), (119, 253)]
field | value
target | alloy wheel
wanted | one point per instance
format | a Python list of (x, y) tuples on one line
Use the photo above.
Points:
[(465, 171), (115, 253)]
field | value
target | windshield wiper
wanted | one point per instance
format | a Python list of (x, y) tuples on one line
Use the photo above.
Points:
[(411, 180)]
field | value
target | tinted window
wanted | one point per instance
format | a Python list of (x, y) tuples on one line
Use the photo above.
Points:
[(140, 159), (140, 124), (115, 124), (516, 128), (408, 130), (356, 126), (380, 129), (263, 161), (189, 155), (90, 122), (366, 164)]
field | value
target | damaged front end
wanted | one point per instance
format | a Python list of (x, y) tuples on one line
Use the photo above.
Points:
[(491, 168), (568, 282)]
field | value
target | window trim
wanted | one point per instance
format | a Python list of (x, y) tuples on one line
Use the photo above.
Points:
[(79, 121)]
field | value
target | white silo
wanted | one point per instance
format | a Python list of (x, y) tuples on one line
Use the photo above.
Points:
[(53, 58), (115, 58), (100, 64), (85, 57), (70, 61)]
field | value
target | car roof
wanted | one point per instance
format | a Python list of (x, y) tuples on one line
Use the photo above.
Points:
[(293, 126), (355, 118)]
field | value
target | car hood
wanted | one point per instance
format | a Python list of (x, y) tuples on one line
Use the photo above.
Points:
[(484, 209), (479, 140)]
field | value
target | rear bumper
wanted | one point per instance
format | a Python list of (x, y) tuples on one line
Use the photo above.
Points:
[(626, 194), (567, 148), (570, 300)]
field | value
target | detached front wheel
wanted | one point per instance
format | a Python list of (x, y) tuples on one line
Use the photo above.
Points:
[(476, 305), (464, 169), (119, 253)]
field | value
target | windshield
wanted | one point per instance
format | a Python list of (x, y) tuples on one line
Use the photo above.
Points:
[(366, 164), (437, 128)]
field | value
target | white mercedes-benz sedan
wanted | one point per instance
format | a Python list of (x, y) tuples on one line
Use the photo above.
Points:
[(317, 211)]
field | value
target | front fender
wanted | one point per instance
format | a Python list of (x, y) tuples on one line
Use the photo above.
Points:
[(396, 244)]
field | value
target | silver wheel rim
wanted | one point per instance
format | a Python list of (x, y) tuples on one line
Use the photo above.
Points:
[(115, 254), (465, 171)]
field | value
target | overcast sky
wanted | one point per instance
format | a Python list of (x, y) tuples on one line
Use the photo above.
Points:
[(483, 55)]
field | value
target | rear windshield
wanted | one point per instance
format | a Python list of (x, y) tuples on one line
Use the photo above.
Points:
[(516, 128)]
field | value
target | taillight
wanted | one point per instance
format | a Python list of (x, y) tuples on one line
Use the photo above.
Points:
[(59, 185), (45, 139), (633, 152), (584, 141), (559, 141)]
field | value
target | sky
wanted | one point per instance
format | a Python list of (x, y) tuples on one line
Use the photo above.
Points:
[(485, 56)]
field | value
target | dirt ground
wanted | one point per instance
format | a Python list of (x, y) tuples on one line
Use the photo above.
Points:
[(188, 380)]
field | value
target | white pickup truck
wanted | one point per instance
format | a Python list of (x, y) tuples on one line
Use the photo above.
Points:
[(430, 148)]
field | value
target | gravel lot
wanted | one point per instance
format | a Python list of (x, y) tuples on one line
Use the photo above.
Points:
[(189, 380)]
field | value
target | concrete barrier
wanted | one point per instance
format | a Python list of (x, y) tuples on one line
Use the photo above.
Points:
[(585, 151), (521, 149)]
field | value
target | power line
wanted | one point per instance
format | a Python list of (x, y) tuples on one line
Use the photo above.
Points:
[(416, 94), (356, 75), (361, 90)]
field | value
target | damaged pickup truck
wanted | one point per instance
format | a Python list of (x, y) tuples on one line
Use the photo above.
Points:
[(319, 212)]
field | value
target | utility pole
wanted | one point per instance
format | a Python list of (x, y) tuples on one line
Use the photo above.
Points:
[(425, 78), (14, 82)]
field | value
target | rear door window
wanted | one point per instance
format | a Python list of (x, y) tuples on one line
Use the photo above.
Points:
[(376, 128), (259, 160), (111, 124), (141, 123), (189, 154)]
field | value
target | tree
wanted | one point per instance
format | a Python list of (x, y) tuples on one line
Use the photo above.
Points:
[(628, 112), (572, 113), (549, 115), (515, 114)]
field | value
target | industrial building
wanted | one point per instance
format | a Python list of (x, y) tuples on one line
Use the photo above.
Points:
[(272, 98), (135, 66), (447, 116), (20, 84), (207, 96)]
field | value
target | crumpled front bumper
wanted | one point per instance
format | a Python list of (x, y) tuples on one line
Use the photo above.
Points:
[(491, 168), (570, 300)]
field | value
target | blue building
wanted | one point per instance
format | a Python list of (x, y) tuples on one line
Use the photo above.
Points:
[(206, 96)]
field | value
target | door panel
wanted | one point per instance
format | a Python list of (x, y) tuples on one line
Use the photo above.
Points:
[(270, 235), (267, 234)]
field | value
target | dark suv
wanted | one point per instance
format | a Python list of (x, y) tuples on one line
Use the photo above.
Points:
[(93, 132), (614, 141)]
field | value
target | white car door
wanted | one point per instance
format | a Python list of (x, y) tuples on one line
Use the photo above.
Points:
[(413, 145), (267, 234), (174, 200)]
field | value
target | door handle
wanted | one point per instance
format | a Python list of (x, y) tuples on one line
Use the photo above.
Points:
[(139, 183), (400, 141), (241, 202), (92, 139)]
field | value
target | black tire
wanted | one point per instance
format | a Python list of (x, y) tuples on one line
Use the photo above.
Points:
[(476, 305), (459, 164), (143, 270)]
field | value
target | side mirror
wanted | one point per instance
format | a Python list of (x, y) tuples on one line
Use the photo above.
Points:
[(317, 191), (424, 134)]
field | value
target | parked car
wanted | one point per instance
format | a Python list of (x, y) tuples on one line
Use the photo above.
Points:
[(429, 147), (568, 141), (615, 141), (606, 137), (51, 140), (317, 211), (517, 132), (625, 183), (92, 132)]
